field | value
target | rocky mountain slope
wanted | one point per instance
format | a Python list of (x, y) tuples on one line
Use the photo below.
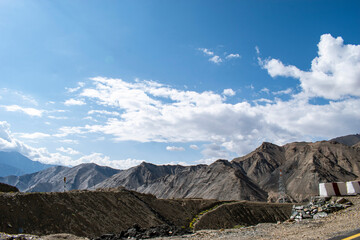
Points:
[(303, 165), (14, 163), (348, 140), (221, 180), (84, 176)]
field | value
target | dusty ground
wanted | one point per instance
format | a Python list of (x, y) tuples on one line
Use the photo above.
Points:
[(335, 224)]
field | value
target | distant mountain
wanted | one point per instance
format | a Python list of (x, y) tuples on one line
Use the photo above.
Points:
[(221, 180), (83, 176), (303, 165), (348, 140), (140, 175), (13, 163)]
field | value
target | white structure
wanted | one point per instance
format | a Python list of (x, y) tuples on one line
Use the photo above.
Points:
[(332, 189), (353, 188)]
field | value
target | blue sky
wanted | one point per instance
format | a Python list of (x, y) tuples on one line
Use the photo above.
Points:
[(120, 82)]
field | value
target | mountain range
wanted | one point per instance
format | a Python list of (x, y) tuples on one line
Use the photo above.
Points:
[(14, 163), (254, 176)]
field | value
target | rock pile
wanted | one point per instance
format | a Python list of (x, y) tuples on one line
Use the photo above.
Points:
[(138, 233), (319, 207)]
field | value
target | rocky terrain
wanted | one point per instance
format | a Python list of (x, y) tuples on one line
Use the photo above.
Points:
[(304, 165)]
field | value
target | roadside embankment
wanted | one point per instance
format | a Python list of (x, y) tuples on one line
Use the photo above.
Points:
[(240, 214)]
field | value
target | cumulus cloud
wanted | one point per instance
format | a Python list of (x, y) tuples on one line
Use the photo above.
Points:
[(173, 148), (215, 59), (286, 91), (215, 151), (194, 147), (265, 90), (9, 143), (206, 51), (74, 102), (103, 112), (233, 55), (35, 135), (75, 89), (334, 73), (29, 111), (229, 92), (68, 150)]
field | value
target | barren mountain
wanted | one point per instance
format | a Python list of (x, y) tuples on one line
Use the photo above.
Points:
[(348, 140), (303, 164), (221, 180), (83, 176), (357, 145), (140, 175)]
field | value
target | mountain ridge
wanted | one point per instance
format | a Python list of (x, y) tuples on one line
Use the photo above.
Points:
[(254, 176)]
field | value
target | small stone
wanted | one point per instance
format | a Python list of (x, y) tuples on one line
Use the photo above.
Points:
[(9, 225), (341, 200), (320, 215)]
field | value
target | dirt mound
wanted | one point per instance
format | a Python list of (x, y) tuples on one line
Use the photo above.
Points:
[(7, 188), (92, 213), (243, 214)]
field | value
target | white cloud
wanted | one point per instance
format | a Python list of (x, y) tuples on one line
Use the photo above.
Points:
[(68, 150), (188, 116), (229, 92), (214, 151), (35, 135), (194, 147), (286, 91), (206, 51), (9, 143), (69, 141), (232, 55), (65, 131), (57, 117), (263, 100), (29, 111), (74, 102), (104, 112), (265, 90), (173, 148), (257, 50), (75, 89), (216, 59), (103, 160), (334, 73)]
